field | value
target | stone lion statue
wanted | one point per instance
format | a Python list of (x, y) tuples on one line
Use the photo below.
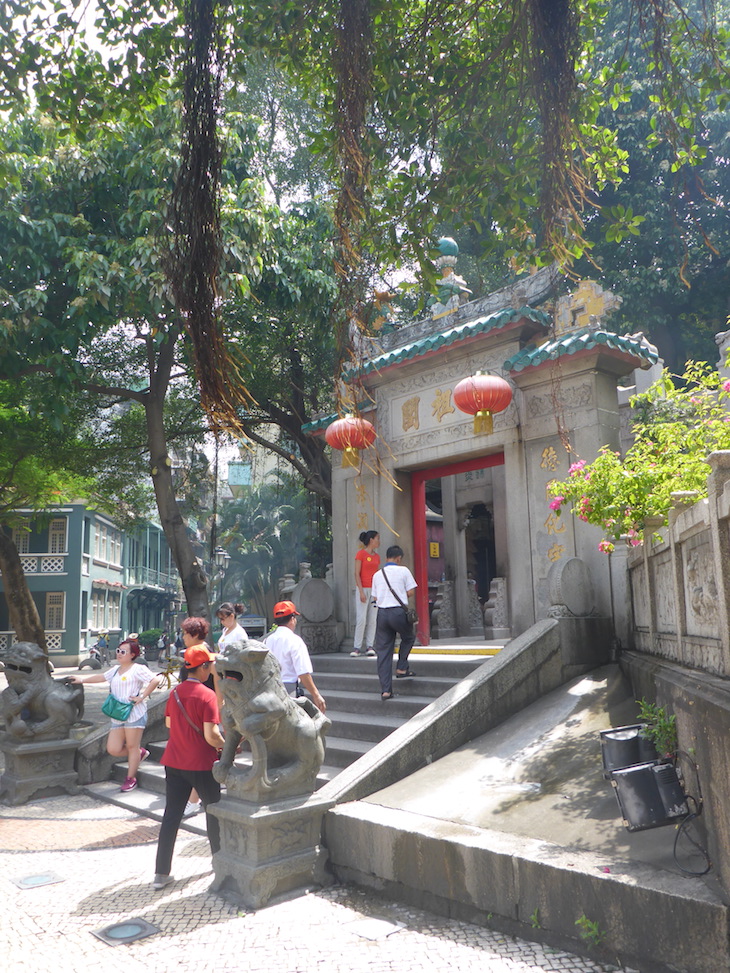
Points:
[(34, 706), (286, 735)]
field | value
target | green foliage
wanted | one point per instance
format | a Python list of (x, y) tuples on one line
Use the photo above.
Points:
[(150, 638), (535, 920), (462, 104), (39, 466), (675, 428), (672, 268), (660, 727), (268, 532), (590, 931)]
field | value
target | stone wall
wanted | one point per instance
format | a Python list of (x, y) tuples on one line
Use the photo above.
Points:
[(680, 585), (680, 592)]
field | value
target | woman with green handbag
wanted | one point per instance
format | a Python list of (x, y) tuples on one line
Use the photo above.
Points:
[(129, 683)]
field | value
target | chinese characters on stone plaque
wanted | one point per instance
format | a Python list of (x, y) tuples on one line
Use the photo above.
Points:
[(410, 413)]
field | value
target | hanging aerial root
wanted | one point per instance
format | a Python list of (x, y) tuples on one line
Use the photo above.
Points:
[(197, 250)]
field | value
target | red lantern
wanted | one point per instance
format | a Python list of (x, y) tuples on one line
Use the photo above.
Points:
[(350, 434), (481, 396)]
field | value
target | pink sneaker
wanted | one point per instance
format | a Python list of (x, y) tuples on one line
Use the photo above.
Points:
[(143, 754), (129, 784)]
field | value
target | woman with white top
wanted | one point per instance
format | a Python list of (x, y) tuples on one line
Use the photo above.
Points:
[(232, 631), (130, 682)]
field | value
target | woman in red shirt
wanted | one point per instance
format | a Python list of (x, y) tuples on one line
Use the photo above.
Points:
[(367, 562), (195, 741)]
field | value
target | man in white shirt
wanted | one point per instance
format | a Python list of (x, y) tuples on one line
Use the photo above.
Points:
[(290, 651), (392, 619)]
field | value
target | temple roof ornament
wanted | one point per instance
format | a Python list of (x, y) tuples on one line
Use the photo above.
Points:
[(587, 306), (451, 288)]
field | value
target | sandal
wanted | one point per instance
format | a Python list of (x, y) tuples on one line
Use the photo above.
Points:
[(405, 674), (385, 696)]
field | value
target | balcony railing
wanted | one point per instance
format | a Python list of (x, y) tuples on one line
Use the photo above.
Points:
[(54, 640), (43, 563), (159, 579)]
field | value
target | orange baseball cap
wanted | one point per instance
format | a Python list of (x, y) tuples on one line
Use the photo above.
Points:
[(196, 655), (283, 609)]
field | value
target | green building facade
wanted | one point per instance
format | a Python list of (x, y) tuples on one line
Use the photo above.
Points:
[(87, 575)]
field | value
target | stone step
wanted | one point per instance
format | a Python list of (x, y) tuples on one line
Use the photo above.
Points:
[(439, 664), (455, 654), (341, 751), (432, 686), (406, 703), (142, 800), (352, 725)]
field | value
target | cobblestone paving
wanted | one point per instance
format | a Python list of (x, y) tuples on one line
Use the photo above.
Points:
[(104, 857)]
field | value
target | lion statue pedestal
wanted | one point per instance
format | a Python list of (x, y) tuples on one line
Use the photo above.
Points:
[(269, 850), (38, 714), (269, 818)]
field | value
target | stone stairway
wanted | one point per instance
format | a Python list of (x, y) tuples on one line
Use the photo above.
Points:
[(360, 719)]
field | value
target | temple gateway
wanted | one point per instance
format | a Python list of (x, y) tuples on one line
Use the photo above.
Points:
[(470, 506)]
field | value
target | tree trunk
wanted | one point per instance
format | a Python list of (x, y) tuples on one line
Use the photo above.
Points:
[(24, 618), (191, 569)]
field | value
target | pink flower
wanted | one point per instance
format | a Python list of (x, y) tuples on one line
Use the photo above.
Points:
[(577, 467), (557, 503), (605, 547), (726, 386)]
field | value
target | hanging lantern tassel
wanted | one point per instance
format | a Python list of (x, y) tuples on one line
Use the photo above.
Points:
[(481, 396), (350, 456), (483, 422), (350, 434)]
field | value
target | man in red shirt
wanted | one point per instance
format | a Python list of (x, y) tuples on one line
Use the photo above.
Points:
[(195, 741)]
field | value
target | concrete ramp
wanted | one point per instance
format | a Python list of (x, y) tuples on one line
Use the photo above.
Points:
[(517, 829)]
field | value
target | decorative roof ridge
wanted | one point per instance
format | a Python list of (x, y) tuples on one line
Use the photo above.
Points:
[(530, 291), (414, 349), (582, 339)]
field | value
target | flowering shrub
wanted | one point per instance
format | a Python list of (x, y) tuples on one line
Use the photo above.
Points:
[(675, 428)]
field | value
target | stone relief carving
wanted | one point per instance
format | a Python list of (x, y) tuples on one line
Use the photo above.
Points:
[(438, 377), (666, 617), (320, 638), (442, 616), (577, 397), (640, 597), (476, 617), (701, 591), (496, 613)]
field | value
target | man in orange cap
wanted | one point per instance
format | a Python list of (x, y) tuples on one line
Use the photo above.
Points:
[(192, 718), (290, 651)]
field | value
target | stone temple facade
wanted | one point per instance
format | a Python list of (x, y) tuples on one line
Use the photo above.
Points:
[(471, 509)]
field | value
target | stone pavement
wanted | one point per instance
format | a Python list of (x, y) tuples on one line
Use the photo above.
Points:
[(103, 858)]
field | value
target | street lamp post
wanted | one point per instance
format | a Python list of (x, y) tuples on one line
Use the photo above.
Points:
[(221, 559)]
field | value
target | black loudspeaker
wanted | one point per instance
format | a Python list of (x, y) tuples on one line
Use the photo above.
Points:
[(624, 746), (649, 795)]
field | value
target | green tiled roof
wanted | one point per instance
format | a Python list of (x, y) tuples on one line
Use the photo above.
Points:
[(583, 339), (443, 339)]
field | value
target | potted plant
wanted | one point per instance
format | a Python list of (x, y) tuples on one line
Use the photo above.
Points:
[(660, 728), (148, 640), (651, 794)]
